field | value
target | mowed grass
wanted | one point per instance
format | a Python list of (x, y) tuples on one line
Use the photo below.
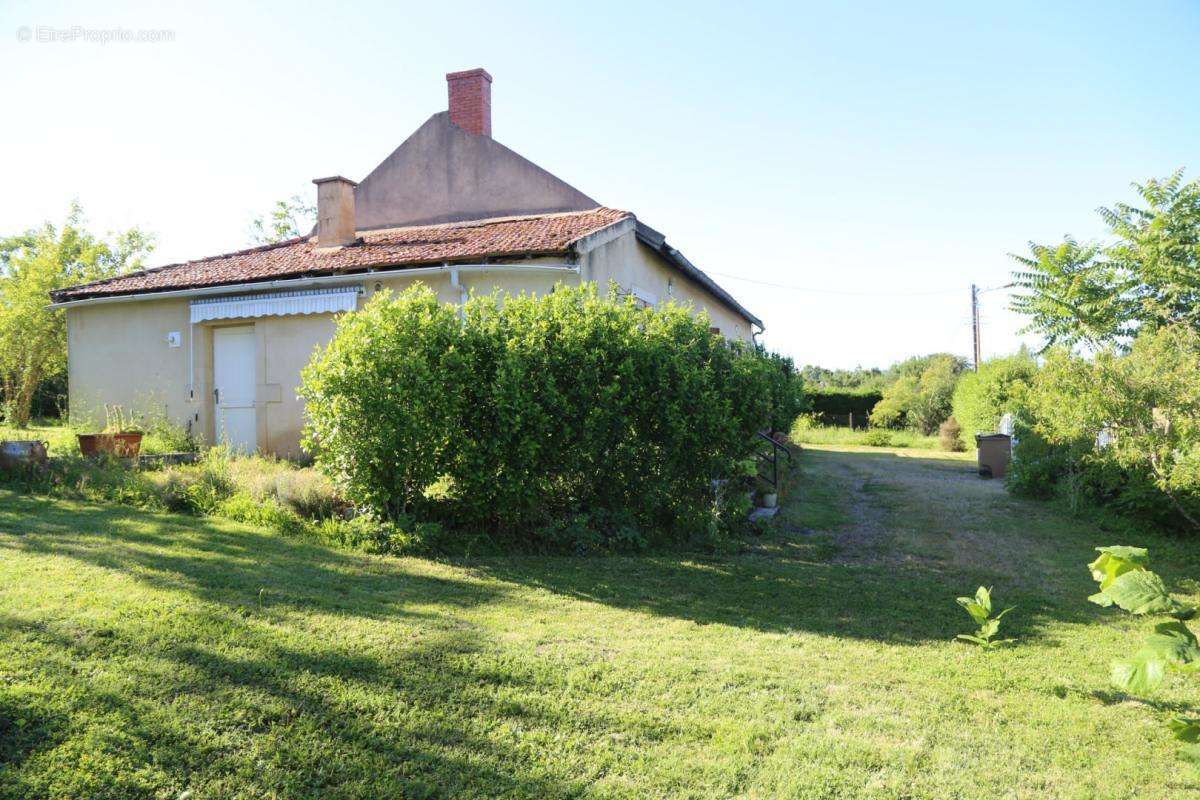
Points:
[(148, 655), (836, 435)]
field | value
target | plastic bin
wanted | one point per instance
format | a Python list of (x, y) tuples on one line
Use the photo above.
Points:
[(994, 451)]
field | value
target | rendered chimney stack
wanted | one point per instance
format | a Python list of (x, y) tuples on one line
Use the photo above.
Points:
[(335, 211), (471, 100)]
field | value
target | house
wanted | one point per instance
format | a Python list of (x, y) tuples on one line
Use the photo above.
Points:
[(217, 344)]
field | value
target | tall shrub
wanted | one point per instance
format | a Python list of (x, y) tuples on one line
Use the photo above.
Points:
[(785, 397), (548, 409), (383, 398), (998, 388), (1147, 405)]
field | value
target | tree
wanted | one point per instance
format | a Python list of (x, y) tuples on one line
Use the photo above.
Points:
[(1104, 295), (862, 378), (982, 398), (935, 392), (33, 338), (287, 220), (921, 394), (1147, 402)]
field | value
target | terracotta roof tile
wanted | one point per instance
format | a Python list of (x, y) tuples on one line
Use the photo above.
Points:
[(546, 234)]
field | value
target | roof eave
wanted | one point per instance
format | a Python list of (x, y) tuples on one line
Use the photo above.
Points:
[(312, 278), (658, 243)]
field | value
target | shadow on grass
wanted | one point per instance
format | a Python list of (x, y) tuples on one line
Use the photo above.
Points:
[(238, 694), (225, 562), (230, 699), (903, 602), (793, 585), (898, 605), (251, 716)]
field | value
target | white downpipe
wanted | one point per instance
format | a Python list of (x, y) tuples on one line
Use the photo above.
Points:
[(324, 280), (191, 362), (462, 292)]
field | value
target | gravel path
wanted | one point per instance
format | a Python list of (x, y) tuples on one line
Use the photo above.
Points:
[(915, 507)]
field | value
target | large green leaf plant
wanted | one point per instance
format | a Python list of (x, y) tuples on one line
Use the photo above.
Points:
[(1126, 583)]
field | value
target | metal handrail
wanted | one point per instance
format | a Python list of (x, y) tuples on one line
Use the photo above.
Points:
[(773, 458)]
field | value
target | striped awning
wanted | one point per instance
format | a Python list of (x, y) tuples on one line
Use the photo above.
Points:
[(276, 304)]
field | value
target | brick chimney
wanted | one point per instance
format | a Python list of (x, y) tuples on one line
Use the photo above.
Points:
[(471, 100), (335, 211)]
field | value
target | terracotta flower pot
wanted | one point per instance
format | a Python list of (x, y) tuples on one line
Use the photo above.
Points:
[(121, 445)]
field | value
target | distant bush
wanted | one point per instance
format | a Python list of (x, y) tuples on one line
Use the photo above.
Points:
[(950, 436), (1037, 466), (920, 397), (878, 437), (982, 398), (529, 413)]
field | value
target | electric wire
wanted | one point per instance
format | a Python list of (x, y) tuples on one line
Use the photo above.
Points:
[(848, 293)]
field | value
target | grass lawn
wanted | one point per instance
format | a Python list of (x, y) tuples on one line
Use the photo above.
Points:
[(149, 655), (832, 434)]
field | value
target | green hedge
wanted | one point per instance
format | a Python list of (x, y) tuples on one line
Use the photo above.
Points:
[(983, 397), (835, 405), (543, 420), (1145, 401)]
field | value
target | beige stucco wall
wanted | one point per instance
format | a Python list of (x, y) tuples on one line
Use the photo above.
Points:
[(118, 352), (443, 174), (631, 265)]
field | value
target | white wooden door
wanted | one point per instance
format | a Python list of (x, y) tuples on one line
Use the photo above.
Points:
[(233, 387)]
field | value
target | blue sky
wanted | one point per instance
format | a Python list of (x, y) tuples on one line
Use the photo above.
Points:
[(897, 150)]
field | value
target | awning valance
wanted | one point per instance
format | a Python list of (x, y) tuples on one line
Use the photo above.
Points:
[(275, 304)]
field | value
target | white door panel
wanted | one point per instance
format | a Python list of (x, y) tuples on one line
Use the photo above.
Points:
[(233, 387)]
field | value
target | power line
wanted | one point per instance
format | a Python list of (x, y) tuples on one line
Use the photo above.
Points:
[(833, 291), (848, 293)]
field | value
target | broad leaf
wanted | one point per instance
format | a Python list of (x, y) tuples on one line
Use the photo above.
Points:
[(983, 597), (1174, 643), (1185, 728), (1140, 674), (1100, 599), (1171, 645), (977, 612), (1140, 592), (1115, 561)]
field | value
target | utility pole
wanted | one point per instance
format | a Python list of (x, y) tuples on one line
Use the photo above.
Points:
[(975, 321)]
